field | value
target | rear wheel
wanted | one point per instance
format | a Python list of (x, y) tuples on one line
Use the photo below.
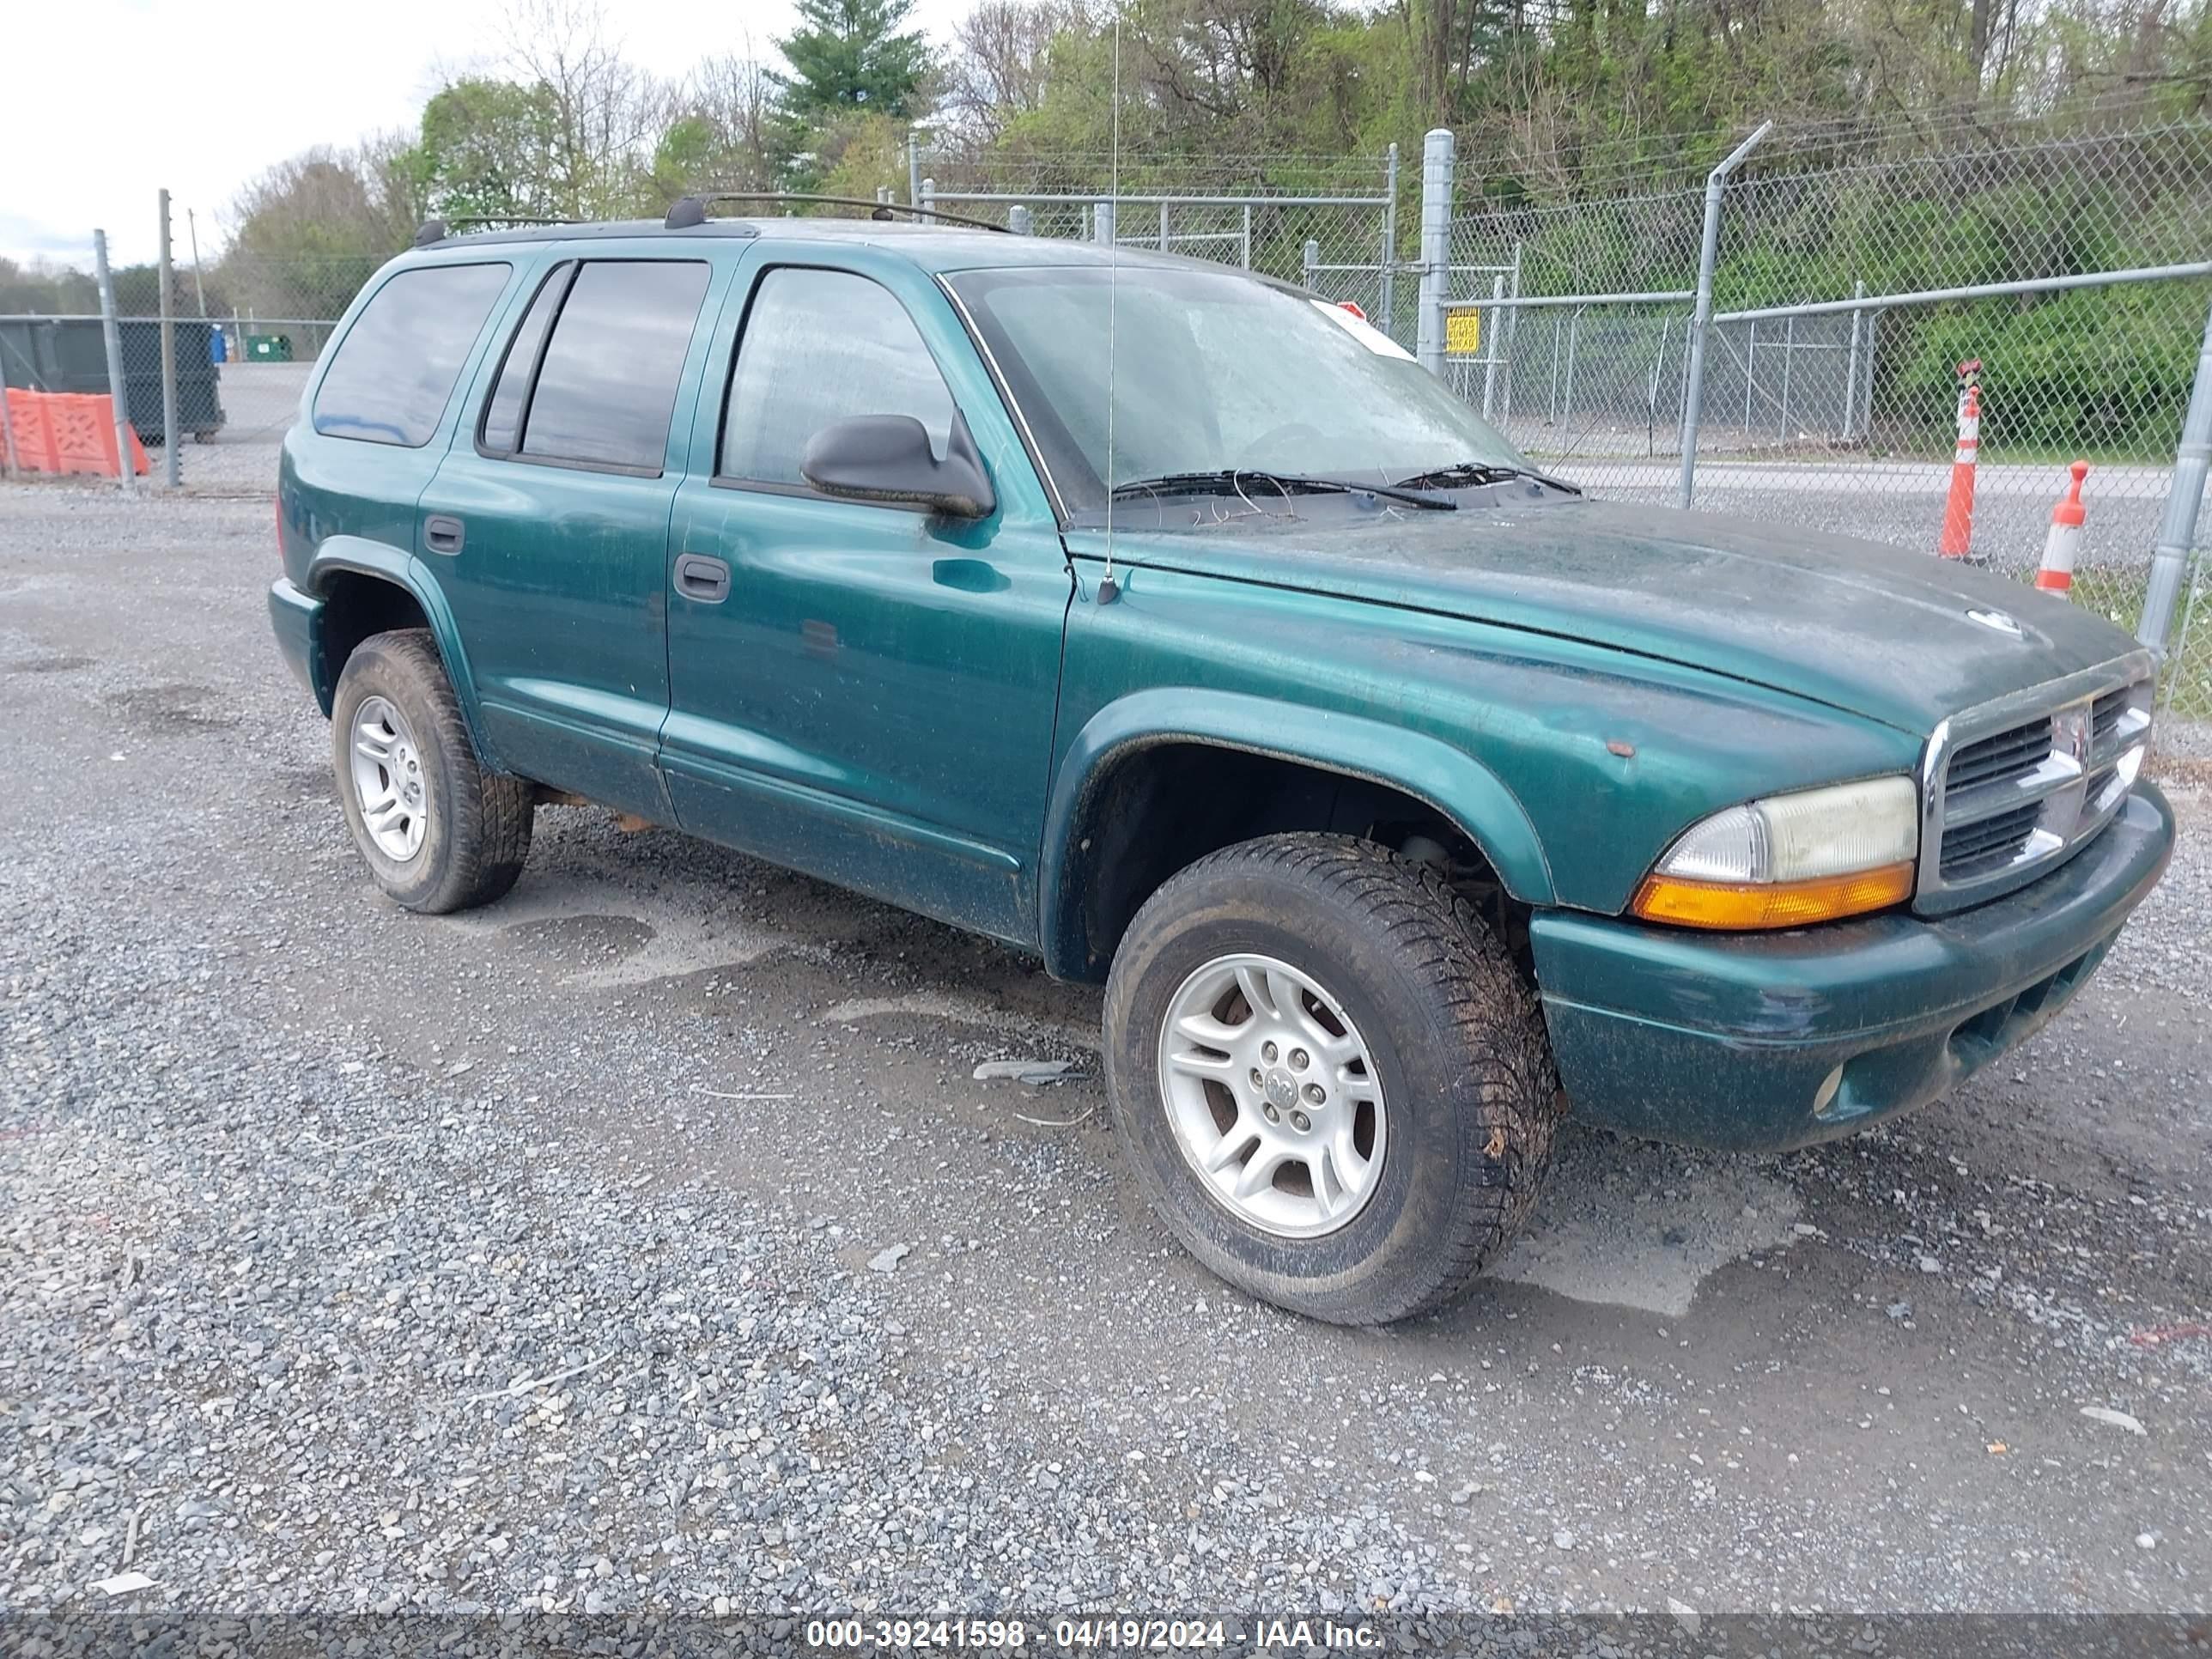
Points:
[(1330, 1076), (437, 831)]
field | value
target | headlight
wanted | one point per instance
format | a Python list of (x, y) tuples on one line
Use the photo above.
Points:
[(1791, 859)]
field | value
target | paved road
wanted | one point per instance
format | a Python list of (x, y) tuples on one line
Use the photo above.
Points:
[(552, 1255)]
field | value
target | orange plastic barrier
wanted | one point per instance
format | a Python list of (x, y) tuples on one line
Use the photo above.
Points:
[(68, 432)]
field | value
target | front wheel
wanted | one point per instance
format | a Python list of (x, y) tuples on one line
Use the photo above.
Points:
[(1330, 1076)]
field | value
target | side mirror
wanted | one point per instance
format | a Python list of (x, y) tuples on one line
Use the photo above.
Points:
[(886, 458)]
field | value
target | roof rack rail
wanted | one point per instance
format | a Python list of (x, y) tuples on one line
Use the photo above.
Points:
[(436, 230), (686, 211)]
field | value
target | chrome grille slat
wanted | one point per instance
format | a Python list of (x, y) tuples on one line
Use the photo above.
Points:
[(2002, 756), (2047, 777), (2013, 787), (1991, 840)]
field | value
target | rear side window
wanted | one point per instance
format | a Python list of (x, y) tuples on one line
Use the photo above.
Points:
[(397, 365), (606, 382), (821, 347), (502, 422)]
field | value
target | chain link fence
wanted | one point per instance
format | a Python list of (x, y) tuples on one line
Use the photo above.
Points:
[(1833, 371), (1830, 384), (1329, 223)]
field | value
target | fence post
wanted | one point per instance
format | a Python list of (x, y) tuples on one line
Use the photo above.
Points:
[(1750, 371), (1437, 155), (172, 469), (1788, 356), (1018, 219), (118, 393), (1574, 343), (913, 172), (2177, 534), (1163, 228), (1388, 292), (1701, 317), (1496, 337), (1244, 245), (1510, 342), (1309, 271), (929, 195), (7, 427), (1551, 398), (1102, 224), (1852, 368)]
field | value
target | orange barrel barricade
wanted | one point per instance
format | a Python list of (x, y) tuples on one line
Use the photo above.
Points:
[(62, 432)]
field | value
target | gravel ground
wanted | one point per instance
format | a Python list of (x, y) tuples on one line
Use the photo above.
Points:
[(645, 1242)]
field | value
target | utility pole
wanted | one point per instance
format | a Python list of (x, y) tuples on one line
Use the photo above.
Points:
[(172, 469)]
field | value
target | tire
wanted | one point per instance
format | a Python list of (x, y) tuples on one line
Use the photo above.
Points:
[(1399, 966), (469, 829)]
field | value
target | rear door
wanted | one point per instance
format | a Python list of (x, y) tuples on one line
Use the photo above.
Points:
[(547, 524), (380, 414)]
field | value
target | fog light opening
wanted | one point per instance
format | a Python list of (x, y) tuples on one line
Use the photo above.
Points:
[(1824, 1097)]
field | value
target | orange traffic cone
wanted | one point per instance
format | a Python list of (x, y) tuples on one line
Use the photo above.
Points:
[(2057, 575), (1958, 509)]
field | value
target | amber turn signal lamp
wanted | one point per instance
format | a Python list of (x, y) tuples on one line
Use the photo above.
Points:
[(1746, 905)]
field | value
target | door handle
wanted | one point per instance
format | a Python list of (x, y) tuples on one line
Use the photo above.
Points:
[(442, 534), (701, 578)]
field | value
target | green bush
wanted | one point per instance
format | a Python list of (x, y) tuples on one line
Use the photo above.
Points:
[(2102, 371)]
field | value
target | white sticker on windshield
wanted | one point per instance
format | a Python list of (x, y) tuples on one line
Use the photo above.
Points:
[(1362, 330)]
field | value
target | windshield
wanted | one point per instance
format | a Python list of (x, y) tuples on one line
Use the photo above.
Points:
[(1212, 370)]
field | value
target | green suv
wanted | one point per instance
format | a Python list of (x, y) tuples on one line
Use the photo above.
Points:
[(1175, 626)]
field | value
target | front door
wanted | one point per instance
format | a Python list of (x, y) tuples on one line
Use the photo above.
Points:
[(547, 524), (864, 692)]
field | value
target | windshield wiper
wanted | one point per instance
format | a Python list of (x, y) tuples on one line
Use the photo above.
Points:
[(1231, 481), (1461, 475)]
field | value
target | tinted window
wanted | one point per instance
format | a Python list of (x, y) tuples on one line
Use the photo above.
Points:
[(502, 425), (819, 347), (398, 363), (608, 386)]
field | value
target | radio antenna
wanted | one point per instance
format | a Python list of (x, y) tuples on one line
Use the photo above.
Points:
[(1109, 589)]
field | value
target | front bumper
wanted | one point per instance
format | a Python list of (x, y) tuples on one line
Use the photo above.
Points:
[(1729, 1041)]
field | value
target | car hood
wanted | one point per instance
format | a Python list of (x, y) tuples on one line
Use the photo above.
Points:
[(1882, 633)]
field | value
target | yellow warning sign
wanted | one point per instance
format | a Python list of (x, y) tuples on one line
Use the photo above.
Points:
[(1464, 331)]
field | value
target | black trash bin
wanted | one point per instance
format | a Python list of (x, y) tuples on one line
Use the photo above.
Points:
[(68, 353)]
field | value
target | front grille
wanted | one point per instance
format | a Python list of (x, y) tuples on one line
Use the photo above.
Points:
[(2028, 784), (1972, 849), (2008, 755), (2104, 723)]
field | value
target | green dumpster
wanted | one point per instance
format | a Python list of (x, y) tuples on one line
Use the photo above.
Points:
[(69, 354), (269, 348)]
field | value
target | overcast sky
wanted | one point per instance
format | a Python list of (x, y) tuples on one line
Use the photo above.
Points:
[(122, 97)]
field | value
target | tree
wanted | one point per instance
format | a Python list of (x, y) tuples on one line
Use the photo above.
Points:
[(308, 232), (999, 64), (41, 288), (849, 55), (725, 134), (488, 151), (602, 112)]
